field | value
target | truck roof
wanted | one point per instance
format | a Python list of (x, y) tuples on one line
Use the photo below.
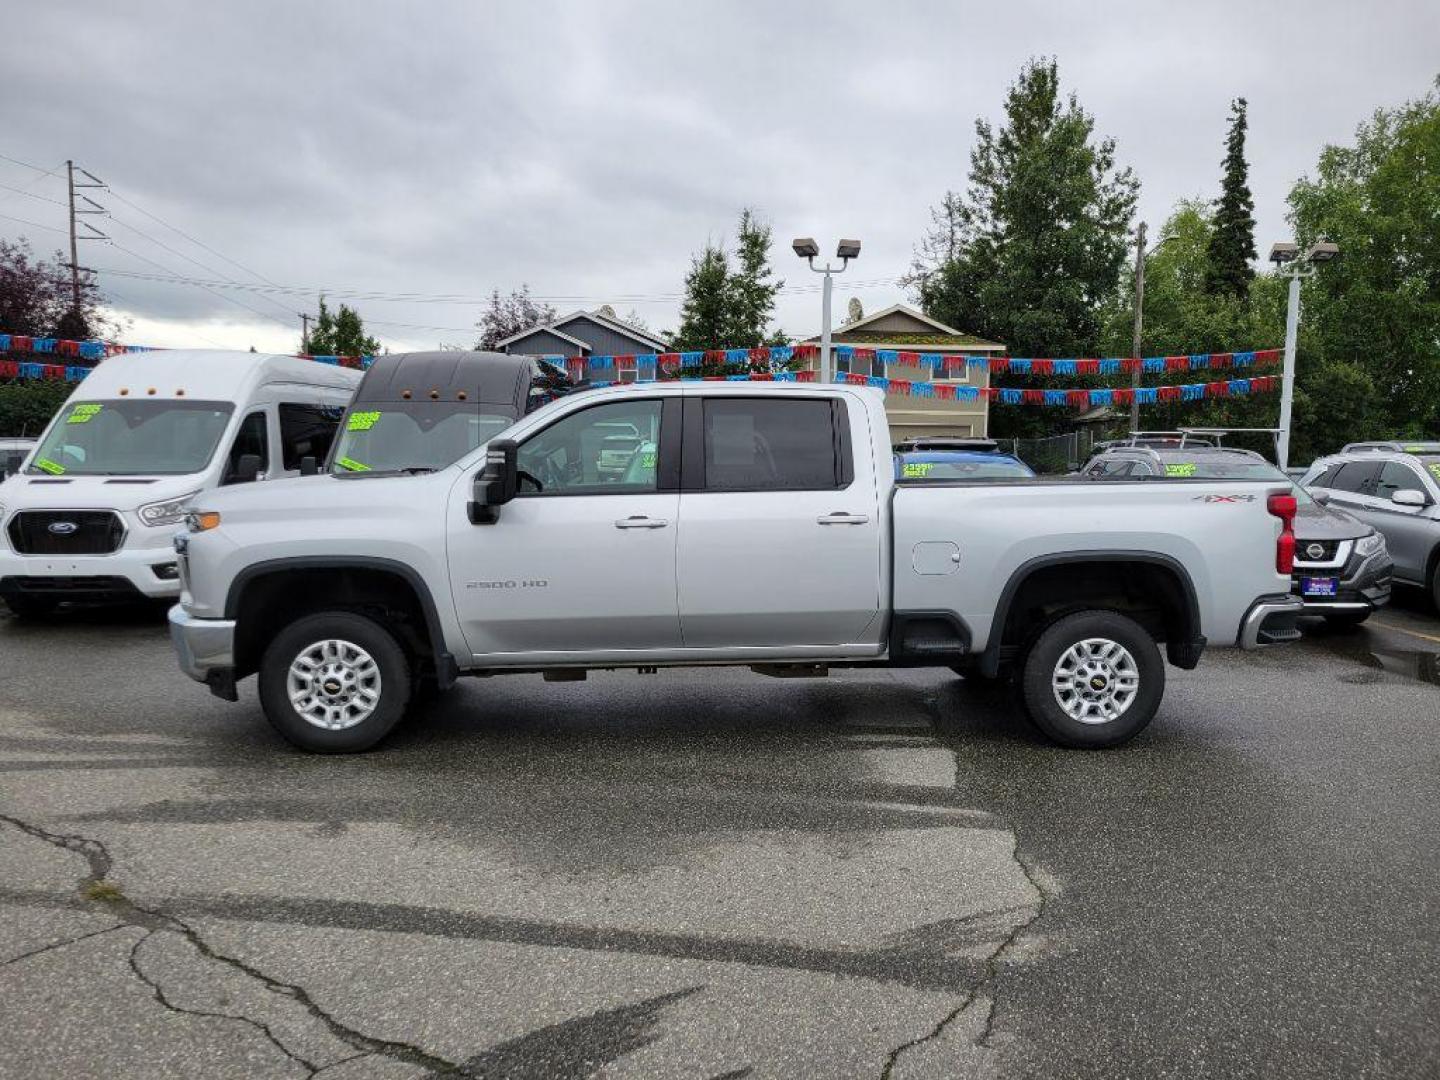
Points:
[(445, 375), (206, 374)]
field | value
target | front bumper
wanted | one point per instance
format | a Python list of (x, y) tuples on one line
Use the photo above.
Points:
[(1362, 584), (1270, 621), (205, 648), (144, 573)]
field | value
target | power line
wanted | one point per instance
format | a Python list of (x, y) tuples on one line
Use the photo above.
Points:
[(207, 288), (31, 194), (32, 224), (198, 243)]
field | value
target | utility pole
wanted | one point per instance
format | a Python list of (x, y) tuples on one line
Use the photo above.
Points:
[(304, 331), (75, 235), (1139, 319)]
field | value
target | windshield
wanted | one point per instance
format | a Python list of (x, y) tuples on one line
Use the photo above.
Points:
[(132, 438), (907, 468), (412, 436), (1221, 468)]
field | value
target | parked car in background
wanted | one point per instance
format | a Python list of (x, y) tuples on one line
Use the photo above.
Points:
[(91, 516), (417, 412), (1342, 568), (1395, 487), (346, 592), (956, 459), (12, 454)]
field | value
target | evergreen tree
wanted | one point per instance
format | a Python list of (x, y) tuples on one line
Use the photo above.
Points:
[(1030, 252), (506, 316), (341, 333), (1027, 254), (705, 312), (1232, 240), (752, 292)]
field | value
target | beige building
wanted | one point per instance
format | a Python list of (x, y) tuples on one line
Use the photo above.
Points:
[(904, 329)]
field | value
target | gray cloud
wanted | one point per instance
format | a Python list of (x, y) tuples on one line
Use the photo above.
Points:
[(589, 149)]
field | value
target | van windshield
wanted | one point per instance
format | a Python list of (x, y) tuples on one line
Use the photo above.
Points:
[(132, 438), (412, 436)]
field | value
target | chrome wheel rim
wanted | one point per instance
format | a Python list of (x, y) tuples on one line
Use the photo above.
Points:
[(334, 684), (1095, 681)]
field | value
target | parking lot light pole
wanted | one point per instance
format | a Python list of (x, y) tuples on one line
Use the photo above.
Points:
[(808, 250), (1292, 264), (1140, 256)]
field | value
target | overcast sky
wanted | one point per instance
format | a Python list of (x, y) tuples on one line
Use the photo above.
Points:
[(439, 150)]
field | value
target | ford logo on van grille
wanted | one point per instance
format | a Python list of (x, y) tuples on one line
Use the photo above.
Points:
[(62, 528)]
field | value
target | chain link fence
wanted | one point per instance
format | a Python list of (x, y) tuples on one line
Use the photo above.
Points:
[(1054, 455)]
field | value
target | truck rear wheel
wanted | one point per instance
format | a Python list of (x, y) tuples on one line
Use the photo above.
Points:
[(1093, 679), (334, 683)]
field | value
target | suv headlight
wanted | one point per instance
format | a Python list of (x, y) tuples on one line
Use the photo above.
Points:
[(169, 512), (1369, 545)]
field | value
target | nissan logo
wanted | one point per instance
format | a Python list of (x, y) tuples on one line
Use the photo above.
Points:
[(63, 528), (1315, 551)]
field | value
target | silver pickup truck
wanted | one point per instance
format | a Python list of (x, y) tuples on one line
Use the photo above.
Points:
[(750, 524)]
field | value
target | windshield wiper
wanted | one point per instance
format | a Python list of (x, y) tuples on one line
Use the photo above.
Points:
[(415, 470)]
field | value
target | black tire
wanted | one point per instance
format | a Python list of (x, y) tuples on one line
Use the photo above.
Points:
[(1042, 701), (394, 681), (31, 607), (1345, 620)]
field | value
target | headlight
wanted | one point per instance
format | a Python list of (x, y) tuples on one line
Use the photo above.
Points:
[(198, 521), (1369, 545), (169, 512)]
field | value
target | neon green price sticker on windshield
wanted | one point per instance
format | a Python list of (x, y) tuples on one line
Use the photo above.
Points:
[(647, 459), (46, 465), (1180, 468), (916, 470), (83, 414), (1434, 468), (362, 421), (351, 465)]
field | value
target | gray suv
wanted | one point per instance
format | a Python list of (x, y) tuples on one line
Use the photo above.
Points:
[(1394, 486)]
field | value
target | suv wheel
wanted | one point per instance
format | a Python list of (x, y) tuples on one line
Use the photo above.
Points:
[(1093, 679), (334, 683)]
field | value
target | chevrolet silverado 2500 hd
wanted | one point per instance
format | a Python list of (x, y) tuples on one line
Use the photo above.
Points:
[(752, 524)]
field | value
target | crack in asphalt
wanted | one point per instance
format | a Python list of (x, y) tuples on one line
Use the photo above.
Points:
[(132, 914), (990, 977), (60, 944)]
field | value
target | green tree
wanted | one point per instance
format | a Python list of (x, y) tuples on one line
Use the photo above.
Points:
[(339, 334), (1035, 245), (1376, 309), (26, 405), (705, 311), (1232, 235), (751, 288), (1030, 252), (725, 308)]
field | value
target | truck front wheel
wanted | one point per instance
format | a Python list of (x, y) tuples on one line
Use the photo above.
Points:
[(1093, 679), (334, 683)]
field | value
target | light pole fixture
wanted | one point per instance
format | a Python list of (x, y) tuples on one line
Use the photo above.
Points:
[(807, 249), (1289, 262)]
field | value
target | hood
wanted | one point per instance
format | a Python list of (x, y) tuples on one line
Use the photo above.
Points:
[(1316, 522), (300, 498), (123, 493)]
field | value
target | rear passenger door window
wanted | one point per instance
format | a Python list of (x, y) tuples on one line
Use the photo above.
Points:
[(1355, 477), (1397, 477), (306, 431), (756, 445)]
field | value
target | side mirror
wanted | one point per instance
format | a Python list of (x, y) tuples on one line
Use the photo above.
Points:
[(496, 482), (1409, 497), (1320, 495), (247, 469), (309, 466)]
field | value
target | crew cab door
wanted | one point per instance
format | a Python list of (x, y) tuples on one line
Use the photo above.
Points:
[(780, 524), (582, 560)]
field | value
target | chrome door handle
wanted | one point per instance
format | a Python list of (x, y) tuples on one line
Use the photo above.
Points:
[(839, 517), (640, 521)]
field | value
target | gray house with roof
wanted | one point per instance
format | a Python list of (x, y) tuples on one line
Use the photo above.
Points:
[(582, 333)]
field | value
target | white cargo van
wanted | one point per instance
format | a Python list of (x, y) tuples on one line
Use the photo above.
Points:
[(90, 515)]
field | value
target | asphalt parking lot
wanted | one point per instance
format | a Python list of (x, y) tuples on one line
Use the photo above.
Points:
[(714, 874)]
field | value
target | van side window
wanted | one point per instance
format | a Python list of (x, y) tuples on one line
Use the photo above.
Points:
[(307, 431), (252, 438), (758, 445)]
